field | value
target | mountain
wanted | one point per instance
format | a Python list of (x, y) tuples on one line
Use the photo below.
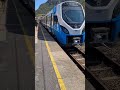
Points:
[(46, 7)]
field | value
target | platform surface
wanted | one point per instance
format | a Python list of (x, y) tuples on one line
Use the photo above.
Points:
[(45, 76), (73, 78)]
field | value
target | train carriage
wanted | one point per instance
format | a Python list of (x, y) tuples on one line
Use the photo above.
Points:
[(66, 21)]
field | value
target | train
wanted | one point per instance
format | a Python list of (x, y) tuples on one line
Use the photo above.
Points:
[(66, 22), (102, 21)]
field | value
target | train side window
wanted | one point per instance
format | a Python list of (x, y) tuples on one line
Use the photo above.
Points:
[(51, 21), (55, 19), (46, 20)]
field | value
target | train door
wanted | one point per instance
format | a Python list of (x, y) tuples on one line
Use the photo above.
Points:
[(46, 22), (55, 19), (55, 22), (51, 23)]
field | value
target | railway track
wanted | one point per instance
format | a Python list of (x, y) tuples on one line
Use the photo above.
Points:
[(78, 56), (112, 53), (101, 71)]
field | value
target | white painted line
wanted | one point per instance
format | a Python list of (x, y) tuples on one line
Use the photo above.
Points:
[(36, 35)]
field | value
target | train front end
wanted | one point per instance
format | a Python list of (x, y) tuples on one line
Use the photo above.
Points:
[(72, 24)]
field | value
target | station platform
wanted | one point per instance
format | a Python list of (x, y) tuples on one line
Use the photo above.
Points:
[(54, 70)]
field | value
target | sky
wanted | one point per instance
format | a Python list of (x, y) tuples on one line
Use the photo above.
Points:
[(38, 3)]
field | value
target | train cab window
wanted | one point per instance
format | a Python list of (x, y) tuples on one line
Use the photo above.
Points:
[(72, 14)]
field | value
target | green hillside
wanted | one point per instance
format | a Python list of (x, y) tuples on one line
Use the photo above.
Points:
[(46, 7)]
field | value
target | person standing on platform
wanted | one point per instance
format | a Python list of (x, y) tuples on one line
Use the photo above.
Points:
[(36, 31)]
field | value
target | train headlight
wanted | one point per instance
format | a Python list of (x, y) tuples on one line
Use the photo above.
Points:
[(64, 30), (76, 40)]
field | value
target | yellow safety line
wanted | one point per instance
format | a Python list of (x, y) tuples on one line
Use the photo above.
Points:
[(60, 80), (27, 41)]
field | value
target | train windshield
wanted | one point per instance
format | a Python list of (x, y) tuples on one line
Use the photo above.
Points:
[(72, 13)]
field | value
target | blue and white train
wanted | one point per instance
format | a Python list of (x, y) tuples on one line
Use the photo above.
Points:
[(102, 20), (66, 21)]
